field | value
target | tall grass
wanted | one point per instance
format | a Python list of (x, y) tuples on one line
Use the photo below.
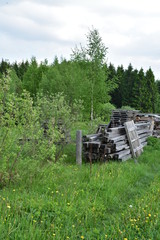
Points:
[(64, 201)]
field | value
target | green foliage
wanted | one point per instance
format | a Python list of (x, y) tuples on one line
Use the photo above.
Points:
[(106, 111), (60, 201), (135, 88), (33, 76), (30, 131), (20, 68), (93, 57), (127, 108), (154, 142)]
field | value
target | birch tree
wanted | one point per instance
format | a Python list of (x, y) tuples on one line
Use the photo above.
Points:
[(94, 55)]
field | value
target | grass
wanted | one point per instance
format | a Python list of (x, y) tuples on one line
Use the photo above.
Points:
[(64, 201)]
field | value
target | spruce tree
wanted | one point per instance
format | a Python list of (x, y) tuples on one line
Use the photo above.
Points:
[(151, 90)]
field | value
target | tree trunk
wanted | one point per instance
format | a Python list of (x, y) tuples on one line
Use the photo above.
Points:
[(92, 103)]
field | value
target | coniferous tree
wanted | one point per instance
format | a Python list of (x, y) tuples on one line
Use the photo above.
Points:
[(136, 91), (151, 90), (157, 102), (127, 86), (4, 67), (117, 93)]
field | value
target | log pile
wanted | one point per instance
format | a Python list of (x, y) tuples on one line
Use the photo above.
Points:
[(111, 143), (154, 118), (119, 117)]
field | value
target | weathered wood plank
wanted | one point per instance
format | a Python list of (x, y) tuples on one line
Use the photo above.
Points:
[(133, 139)]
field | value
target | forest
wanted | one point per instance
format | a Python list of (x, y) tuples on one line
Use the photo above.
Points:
[(88, 79), (43, 194)]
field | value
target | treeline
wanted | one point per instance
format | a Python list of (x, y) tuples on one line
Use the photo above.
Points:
[(39, 102), (88, 80)]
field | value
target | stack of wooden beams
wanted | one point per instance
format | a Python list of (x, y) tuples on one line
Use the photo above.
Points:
[(154, 118), (111, 143), (119, 117)]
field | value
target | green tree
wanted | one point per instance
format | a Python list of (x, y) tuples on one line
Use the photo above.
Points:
[(15, 83), (157, 103), (127, 86), (93, 56), (151, 89), (33, 76), (136, 97), (4, 67), (20, 68), (117, 75)]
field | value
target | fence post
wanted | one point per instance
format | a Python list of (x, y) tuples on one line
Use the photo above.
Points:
[(79, 147)]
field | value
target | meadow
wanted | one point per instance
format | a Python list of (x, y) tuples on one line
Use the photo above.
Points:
[(66, 201)]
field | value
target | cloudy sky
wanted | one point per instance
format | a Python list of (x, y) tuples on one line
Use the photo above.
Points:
[(45, 28)]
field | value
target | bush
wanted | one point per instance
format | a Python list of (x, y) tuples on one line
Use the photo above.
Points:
[(38, 131)]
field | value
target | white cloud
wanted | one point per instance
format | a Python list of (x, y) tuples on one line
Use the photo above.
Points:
[(47, 28)]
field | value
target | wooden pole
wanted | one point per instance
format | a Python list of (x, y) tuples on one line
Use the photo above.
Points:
[(79, 147)]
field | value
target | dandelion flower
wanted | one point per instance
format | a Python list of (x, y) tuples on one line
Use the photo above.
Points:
[(82, 237), (149, 215)]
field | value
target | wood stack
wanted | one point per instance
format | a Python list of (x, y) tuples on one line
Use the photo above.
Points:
[(154, 118), (119, 117), (111, 143)]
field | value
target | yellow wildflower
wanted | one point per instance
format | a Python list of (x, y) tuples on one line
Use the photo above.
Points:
[(82, 237), (149, 215), (8, 206)]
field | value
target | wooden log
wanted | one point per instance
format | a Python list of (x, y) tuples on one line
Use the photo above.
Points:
[(142, 125), (147, 134), (92, 137), (119, 148), (117, 130), (120, 143), (116, 139), (141, 131), (126, 157), (123, 153), (112, 135)]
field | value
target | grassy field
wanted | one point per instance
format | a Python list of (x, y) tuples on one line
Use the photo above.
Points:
[(64, 201)]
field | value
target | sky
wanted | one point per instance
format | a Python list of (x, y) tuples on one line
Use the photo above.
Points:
[(48, 28)]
